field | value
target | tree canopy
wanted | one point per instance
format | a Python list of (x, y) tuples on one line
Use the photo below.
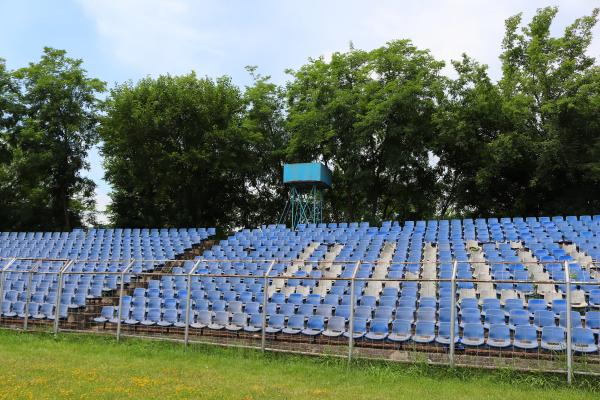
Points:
[(190, 151), (368, 116), (528, 144), (49, 124), (403, 140)]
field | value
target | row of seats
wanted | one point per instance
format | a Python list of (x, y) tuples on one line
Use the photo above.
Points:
[(506, 255), (473, 334), (514, 318)]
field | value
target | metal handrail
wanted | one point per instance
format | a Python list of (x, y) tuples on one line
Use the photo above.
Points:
[(352, 305), (28, 294), (569, 325), (58, 296), (188, 306), (263, 336), (6, 267), (453, 318), (120, 310), (68, 266)]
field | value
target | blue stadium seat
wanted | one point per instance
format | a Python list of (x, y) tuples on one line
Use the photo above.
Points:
[(470, 316), (335, 327), (592, 321), (276, 323), (494, 316), (359, 328), (378, 329), (220, 320), (526, 337), (576, 321), (315, 325), (255, 323), (544, 318), (106, 314), (553, 338), (444, 333), (203, 319), (238, 322), (401, 331), (170, 317), (498, 336), (534, 305), (473, 335), (517, 318), (424, 332), (584, 341), (295, 324)]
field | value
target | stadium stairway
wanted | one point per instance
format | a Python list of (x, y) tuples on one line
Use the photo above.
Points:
[(195, 251), (112, 298)]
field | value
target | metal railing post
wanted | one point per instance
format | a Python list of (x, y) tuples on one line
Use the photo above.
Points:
[(188, 305), (453, 318), (352, 305), (28, 293), (569, 324), (263, 337), (6, 267), (121, 290), (58, 295)]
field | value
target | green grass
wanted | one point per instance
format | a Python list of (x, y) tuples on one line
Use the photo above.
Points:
[(38, 366)]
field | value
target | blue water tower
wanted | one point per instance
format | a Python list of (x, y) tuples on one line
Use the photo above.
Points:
[(306, 183)]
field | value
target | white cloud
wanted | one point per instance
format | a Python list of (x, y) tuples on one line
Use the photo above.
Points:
[(102, 201), (216, 38), (450, 27), (96, 173), (152, 36), (448, 30)]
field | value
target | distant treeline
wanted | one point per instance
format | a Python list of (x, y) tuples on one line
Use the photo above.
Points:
[(403, 140)]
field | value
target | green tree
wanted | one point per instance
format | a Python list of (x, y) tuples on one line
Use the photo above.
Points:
[(527, 145), (542, 84), (467, 119), (54, 124), (179, 152), (7, 98), (264, 121), (7, 113), (368, 116)]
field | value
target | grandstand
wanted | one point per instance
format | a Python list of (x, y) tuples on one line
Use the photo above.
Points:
[(31, 264), (487, 292)]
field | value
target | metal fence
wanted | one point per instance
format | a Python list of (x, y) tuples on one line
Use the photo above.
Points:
[(65, 310)]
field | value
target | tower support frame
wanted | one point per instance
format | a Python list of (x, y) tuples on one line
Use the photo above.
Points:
[(306, 183), (304, 206)]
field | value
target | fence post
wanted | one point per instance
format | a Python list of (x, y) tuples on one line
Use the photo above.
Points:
[(4, 269), (263, 337), (453, 318), (351, 319), (188, 305), (121, 290), (28, 293), (569, 324), (58, 295)]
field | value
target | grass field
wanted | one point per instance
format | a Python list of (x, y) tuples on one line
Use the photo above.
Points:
[(37, 366)]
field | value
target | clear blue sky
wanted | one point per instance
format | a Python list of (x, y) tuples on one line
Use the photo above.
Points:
[(121, 40)]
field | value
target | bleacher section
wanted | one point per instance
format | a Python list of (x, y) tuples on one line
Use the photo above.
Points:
[(510, 278), (100, 251), (403, 292)]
